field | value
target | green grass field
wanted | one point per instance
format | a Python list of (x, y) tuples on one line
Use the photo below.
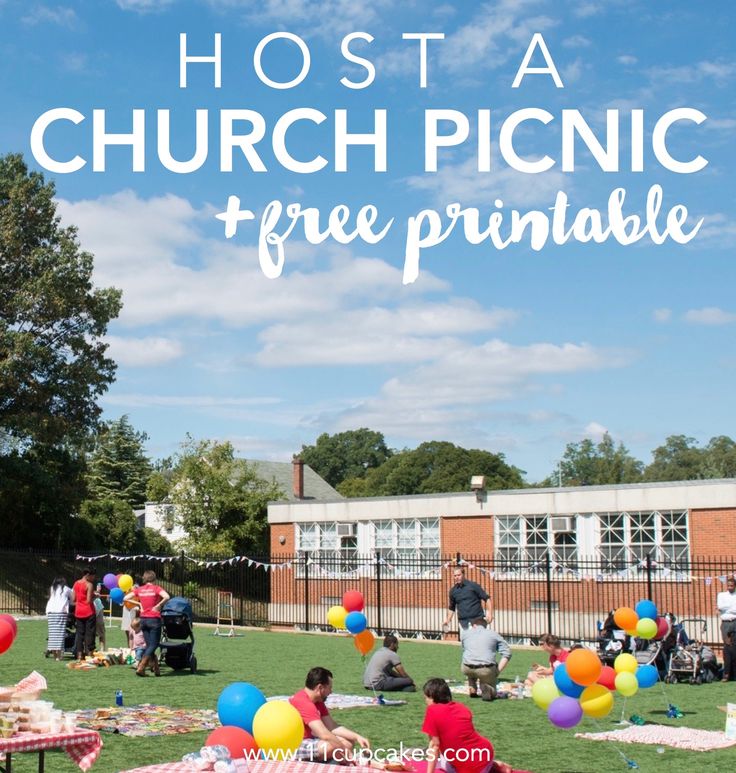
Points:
[(278, 662)]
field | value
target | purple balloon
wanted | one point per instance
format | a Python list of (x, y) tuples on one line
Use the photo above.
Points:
[(110, 581), (564, 712)]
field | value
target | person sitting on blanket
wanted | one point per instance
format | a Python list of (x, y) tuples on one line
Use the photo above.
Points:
[(384, 670), (324, 740), (455, 746), (557, 654)]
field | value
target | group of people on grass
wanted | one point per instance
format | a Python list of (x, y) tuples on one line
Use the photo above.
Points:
[(142, 612)]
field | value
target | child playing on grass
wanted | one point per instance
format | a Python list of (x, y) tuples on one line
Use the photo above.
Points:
[(557, 654), (138, 643)]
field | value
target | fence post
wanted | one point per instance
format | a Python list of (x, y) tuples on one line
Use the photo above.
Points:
[(306, 590), (457, 558), (649, 576), (181, 573), (548, 571), (378, 595)]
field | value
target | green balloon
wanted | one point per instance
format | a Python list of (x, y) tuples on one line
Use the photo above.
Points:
[(646, 628), (544, 692), (626, 684)]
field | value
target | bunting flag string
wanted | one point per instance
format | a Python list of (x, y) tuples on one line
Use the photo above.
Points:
[(232, 561)]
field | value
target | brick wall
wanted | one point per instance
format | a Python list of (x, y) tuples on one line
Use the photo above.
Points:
[(468, 536), (711, 533)]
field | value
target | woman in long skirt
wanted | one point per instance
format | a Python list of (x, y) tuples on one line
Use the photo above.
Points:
[(57, 610)]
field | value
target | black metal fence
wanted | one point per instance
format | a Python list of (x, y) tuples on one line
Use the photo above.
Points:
[(403, 594)]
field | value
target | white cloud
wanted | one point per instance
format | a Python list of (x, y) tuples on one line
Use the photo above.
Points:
[(586, 10), (662, 315), (717, 230), (74, 62), (144, 400), (694, 73), (143, 352), (709, 315), (576, 41), (627, 60), (595, 431), (42, 14), (144, 6), (720, 124)]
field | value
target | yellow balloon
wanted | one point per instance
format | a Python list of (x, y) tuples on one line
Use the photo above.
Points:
[(596, 701), (646, 628), (336, 617), (626, 683), (544, 692), (278, 729), (125, 582), (625, 662)]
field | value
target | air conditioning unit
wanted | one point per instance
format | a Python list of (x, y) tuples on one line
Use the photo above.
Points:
[(345, 529), (563, 524)]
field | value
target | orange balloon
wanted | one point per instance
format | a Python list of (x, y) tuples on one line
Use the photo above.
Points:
[(626, 618), (364, 641), (583, 667)]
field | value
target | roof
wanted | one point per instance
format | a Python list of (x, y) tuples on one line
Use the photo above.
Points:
[(315, 487)]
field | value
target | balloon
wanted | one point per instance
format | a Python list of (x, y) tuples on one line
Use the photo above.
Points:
[(625, 662), (238, 704), (238, 741), (336, 617), (646, 608), (356, 622), (110, 581), (278, 729), (364, 641), (544, 691), (596, 701), (10, 620), (125, 582), (607, 677), (583, 667), (647, 676), (646, 628), (626, 618), (117, 596), (626, 683), (564, 712), (564, 684), (663, 627), (631, 631), (353, 601), (7, 636), (131, 604)]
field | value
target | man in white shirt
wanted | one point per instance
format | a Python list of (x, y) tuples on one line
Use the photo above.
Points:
[(726, 603)]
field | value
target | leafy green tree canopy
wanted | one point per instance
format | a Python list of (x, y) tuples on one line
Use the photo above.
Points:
[(681, 458), (118, 466), (432, 468), (347, 454), (598, 464)]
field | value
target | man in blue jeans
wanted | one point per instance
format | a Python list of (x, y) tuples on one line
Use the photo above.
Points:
[(468, 600)]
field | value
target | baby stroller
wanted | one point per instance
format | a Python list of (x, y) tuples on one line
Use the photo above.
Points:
[(177, 642), (689, 660), (612, 641)]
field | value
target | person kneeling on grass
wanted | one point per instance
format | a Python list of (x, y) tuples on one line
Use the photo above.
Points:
[(454, 744), (324, 740)]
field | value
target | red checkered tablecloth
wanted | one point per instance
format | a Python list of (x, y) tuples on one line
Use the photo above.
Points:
[(83, 746), (256, 766)]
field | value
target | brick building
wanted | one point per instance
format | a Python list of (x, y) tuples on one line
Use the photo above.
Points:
[(551, 558)]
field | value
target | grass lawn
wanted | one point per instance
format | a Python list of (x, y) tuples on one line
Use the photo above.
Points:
[(278, 662)]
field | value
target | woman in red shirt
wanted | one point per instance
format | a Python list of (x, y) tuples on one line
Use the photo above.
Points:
[(151, 598), (83, 592), (552, 645)]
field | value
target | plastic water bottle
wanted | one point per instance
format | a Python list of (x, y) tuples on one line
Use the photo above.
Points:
[(119, 698), (518, 688)]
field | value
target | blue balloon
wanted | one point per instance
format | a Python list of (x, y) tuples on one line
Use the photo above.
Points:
[(238, 704), (647, 676), (117, 595), (646, 608), (565, 685), (356, 622)]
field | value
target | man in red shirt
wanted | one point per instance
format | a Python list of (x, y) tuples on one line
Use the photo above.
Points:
[(324, 739), (83, 592)]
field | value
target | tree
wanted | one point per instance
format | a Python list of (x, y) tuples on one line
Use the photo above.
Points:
[(112, 522), (435, 467), (588, 464), (346, 455), (679, 458), (220, 501), (118, 466), (52, 358)]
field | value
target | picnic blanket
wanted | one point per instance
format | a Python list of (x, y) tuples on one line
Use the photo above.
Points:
[(341, 701), (147, 720), (665, 735)]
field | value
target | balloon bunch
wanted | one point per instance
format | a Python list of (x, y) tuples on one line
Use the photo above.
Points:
[(642, 621), (8, 632), (350, 617), (252, 724), (118, 585)]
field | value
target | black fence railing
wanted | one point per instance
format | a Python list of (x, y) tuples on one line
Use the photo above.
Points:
[(405, 594)]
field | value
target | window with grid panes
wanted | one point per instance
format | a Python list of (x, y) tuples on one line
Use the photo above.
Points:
[(335, 554), (522, 541), (408, 541)]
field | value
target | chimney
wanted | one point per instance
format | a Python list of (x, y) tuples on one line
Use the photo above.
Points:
[(298, 477)]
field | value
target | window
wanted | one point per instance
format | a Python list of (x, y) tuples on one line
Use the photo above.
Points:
[(408, 540), (332, 552), (523, 541)]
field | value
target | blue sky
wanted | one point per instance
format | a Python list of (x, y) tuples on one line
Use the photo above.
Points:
[(515, 351)]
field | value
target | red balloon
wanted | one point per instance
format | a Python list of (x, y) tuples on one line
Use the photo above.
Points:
[(663, 627), (238, 741), (608, 677), (11, 620), (353, 601), (7, 636)]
